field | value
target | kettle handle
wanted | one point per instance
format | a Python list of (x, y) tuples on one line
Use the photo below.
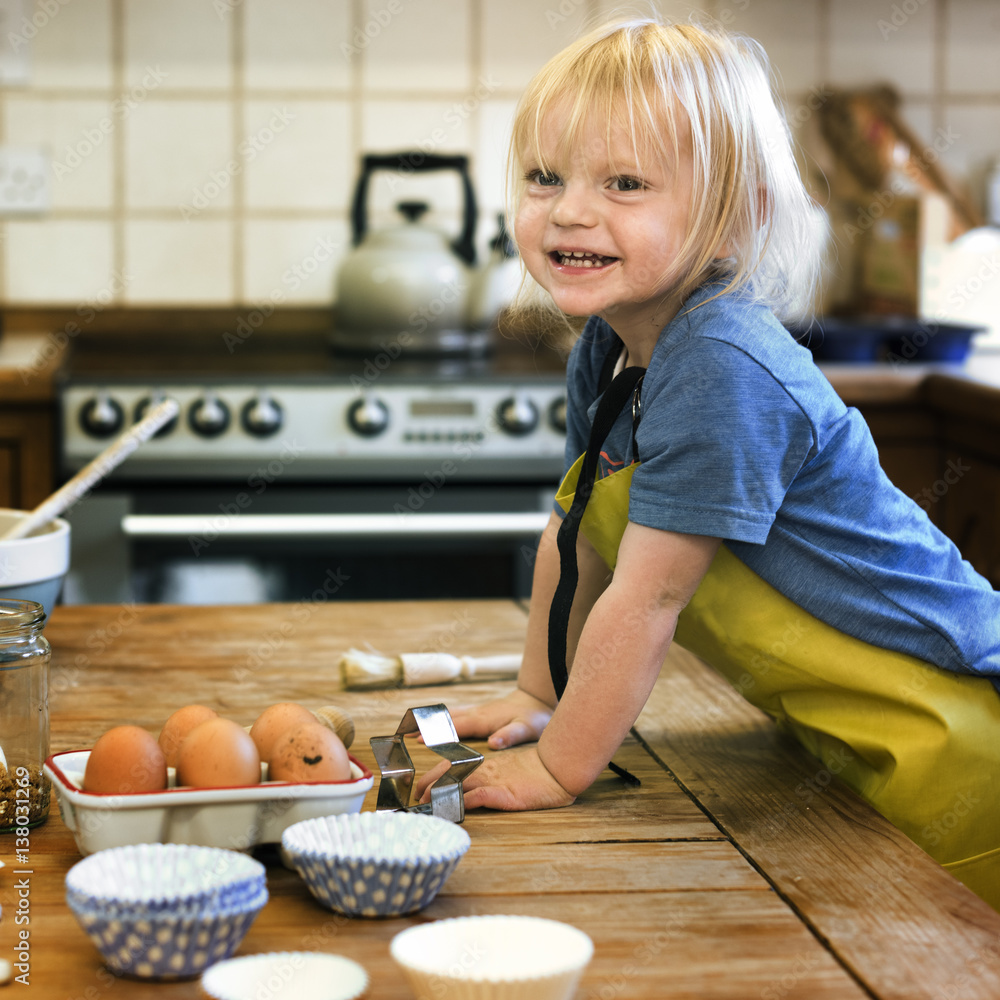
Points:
[(418, 162)]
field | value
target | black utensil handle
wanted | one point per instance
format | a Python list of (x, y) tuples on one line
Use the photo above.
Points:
[(413, 162)]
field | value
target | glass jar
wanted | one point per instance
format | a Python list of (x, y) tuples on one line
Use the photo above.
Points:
[(24, 715)]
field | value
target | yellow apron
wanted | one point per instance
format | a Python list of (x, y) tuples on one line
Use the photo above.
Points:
[(920, 743)]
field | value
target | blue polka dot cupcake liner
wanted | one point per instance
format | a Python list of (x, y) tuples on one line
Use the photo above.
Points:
[(167, 947), (375, 864)]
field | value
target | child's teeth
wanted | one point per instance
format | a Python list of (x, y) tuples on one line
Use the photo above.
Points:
[(580, 258)]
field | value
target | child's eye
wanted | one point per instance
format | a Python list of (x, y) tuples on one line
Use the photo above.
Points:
[(627, 184), (543, 179)]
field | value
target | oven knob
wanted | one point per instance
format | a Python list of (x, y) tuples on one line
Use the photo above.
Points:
[(517, 415), (557, 414), (101, 416), (208, 416), (261, 416), (142, 407), (368, 416)]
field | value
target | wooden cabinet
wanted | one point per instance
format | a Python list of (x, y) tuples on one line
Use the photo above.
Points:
[(27, 454), (941, 447), (972, 512)]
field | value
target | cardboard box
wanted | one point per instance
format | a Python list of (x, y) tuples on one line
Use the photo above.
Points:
[(899, 242)]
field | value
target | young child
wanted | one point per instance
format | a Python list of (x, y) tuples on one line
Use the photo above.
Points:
[(737, 504)]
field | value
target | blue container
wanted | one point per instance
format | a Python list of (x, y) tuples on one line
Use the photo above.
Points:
[(918, 340), (894, 339), (843, 340)]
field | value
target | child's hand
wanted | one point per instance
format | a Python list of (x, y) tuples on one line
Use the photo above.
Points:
[(512, 781), (516, 718)]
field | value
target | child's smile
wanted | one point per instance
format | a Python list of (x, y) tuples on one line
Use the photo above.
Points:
[(601, 232)]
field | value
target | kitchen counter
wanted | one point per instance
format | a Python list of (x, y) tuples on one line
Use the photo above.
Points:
[(739, 868), (28, 363)]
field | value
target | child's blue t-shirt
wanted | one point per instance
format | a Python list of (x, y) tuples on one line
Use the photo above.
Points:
[(743, 438)]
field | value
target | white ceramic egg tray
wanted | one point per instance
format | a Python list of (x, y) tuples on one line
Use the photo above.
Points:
[(238, 818)]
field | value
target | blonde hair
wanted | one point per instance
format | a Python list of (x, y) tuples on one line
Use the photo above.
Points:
[(657, 81)]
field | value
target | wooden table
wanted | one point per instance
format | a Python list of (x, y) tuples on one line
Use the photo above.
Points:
[(739, 869)]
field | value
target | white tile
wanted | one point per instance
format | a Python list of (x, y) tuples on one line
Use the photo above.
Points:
[(189, 41), (972, 136), (296, 154), (668, 10), (409, 46), (300, 44), (520, 36), (874, 41), (78, 135), (71, 47), (61, 262), (417, 127), (292, 261), (180, 154), (185, 263), (491, 164), (971, 58), (789, 30)]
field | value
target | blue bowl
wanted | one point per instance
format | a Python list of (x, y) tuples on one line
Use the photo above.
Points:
[(842, 340), (918, 340)]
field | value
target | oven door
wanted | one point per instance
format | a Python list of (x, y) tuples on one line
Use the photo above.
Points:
[(205, 544)]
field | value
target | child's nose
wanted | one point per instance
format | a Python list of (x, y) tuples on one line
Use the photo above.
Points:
[(574, 207)]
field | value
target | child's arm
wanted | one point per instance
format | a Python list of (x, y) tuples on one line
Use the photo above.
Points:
[(621, 649), (521, 716)]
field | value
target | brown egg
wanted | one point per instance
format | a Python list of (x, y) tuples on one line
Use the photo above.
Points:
[(274, 722), (125, 759), (179, 725), (309, 752), (217, 754)]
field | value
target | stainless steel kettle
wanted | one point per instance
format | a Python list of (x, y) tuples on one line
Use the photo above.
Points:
[(406, 288)]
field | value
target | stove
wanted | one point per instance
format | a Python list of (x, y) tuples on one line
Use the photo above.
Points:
[(410, 476), (276, 398)]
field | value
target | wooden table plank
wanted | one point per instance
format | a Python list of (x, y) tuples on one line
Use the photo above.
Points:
[(854, 878)]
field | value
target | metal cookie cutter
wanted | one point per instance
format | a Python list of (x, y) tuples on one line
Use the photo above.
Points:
[(434, 724)]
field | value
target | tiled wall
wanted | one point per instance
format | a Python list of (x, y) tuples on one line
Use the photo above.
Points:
[(204, 151)]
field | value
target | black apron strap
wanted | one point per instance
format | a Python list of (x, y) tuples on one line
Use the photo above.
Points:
[(624, 389)]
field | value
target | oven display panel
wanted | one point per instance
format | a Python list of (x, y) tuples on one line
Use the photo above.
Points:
[(442, 408)]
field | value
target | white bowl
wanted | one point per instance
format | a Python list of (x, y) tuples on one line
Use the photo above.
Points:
[(375, 864), (296, 975), (33, 568), (493, 958)]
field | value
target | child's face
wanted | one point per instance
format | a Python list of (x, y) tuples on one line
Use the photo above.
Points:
[(601, 232)]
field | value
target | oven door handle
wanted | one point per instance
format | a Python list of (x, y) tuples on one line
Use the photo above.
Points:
[(410, 524)]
